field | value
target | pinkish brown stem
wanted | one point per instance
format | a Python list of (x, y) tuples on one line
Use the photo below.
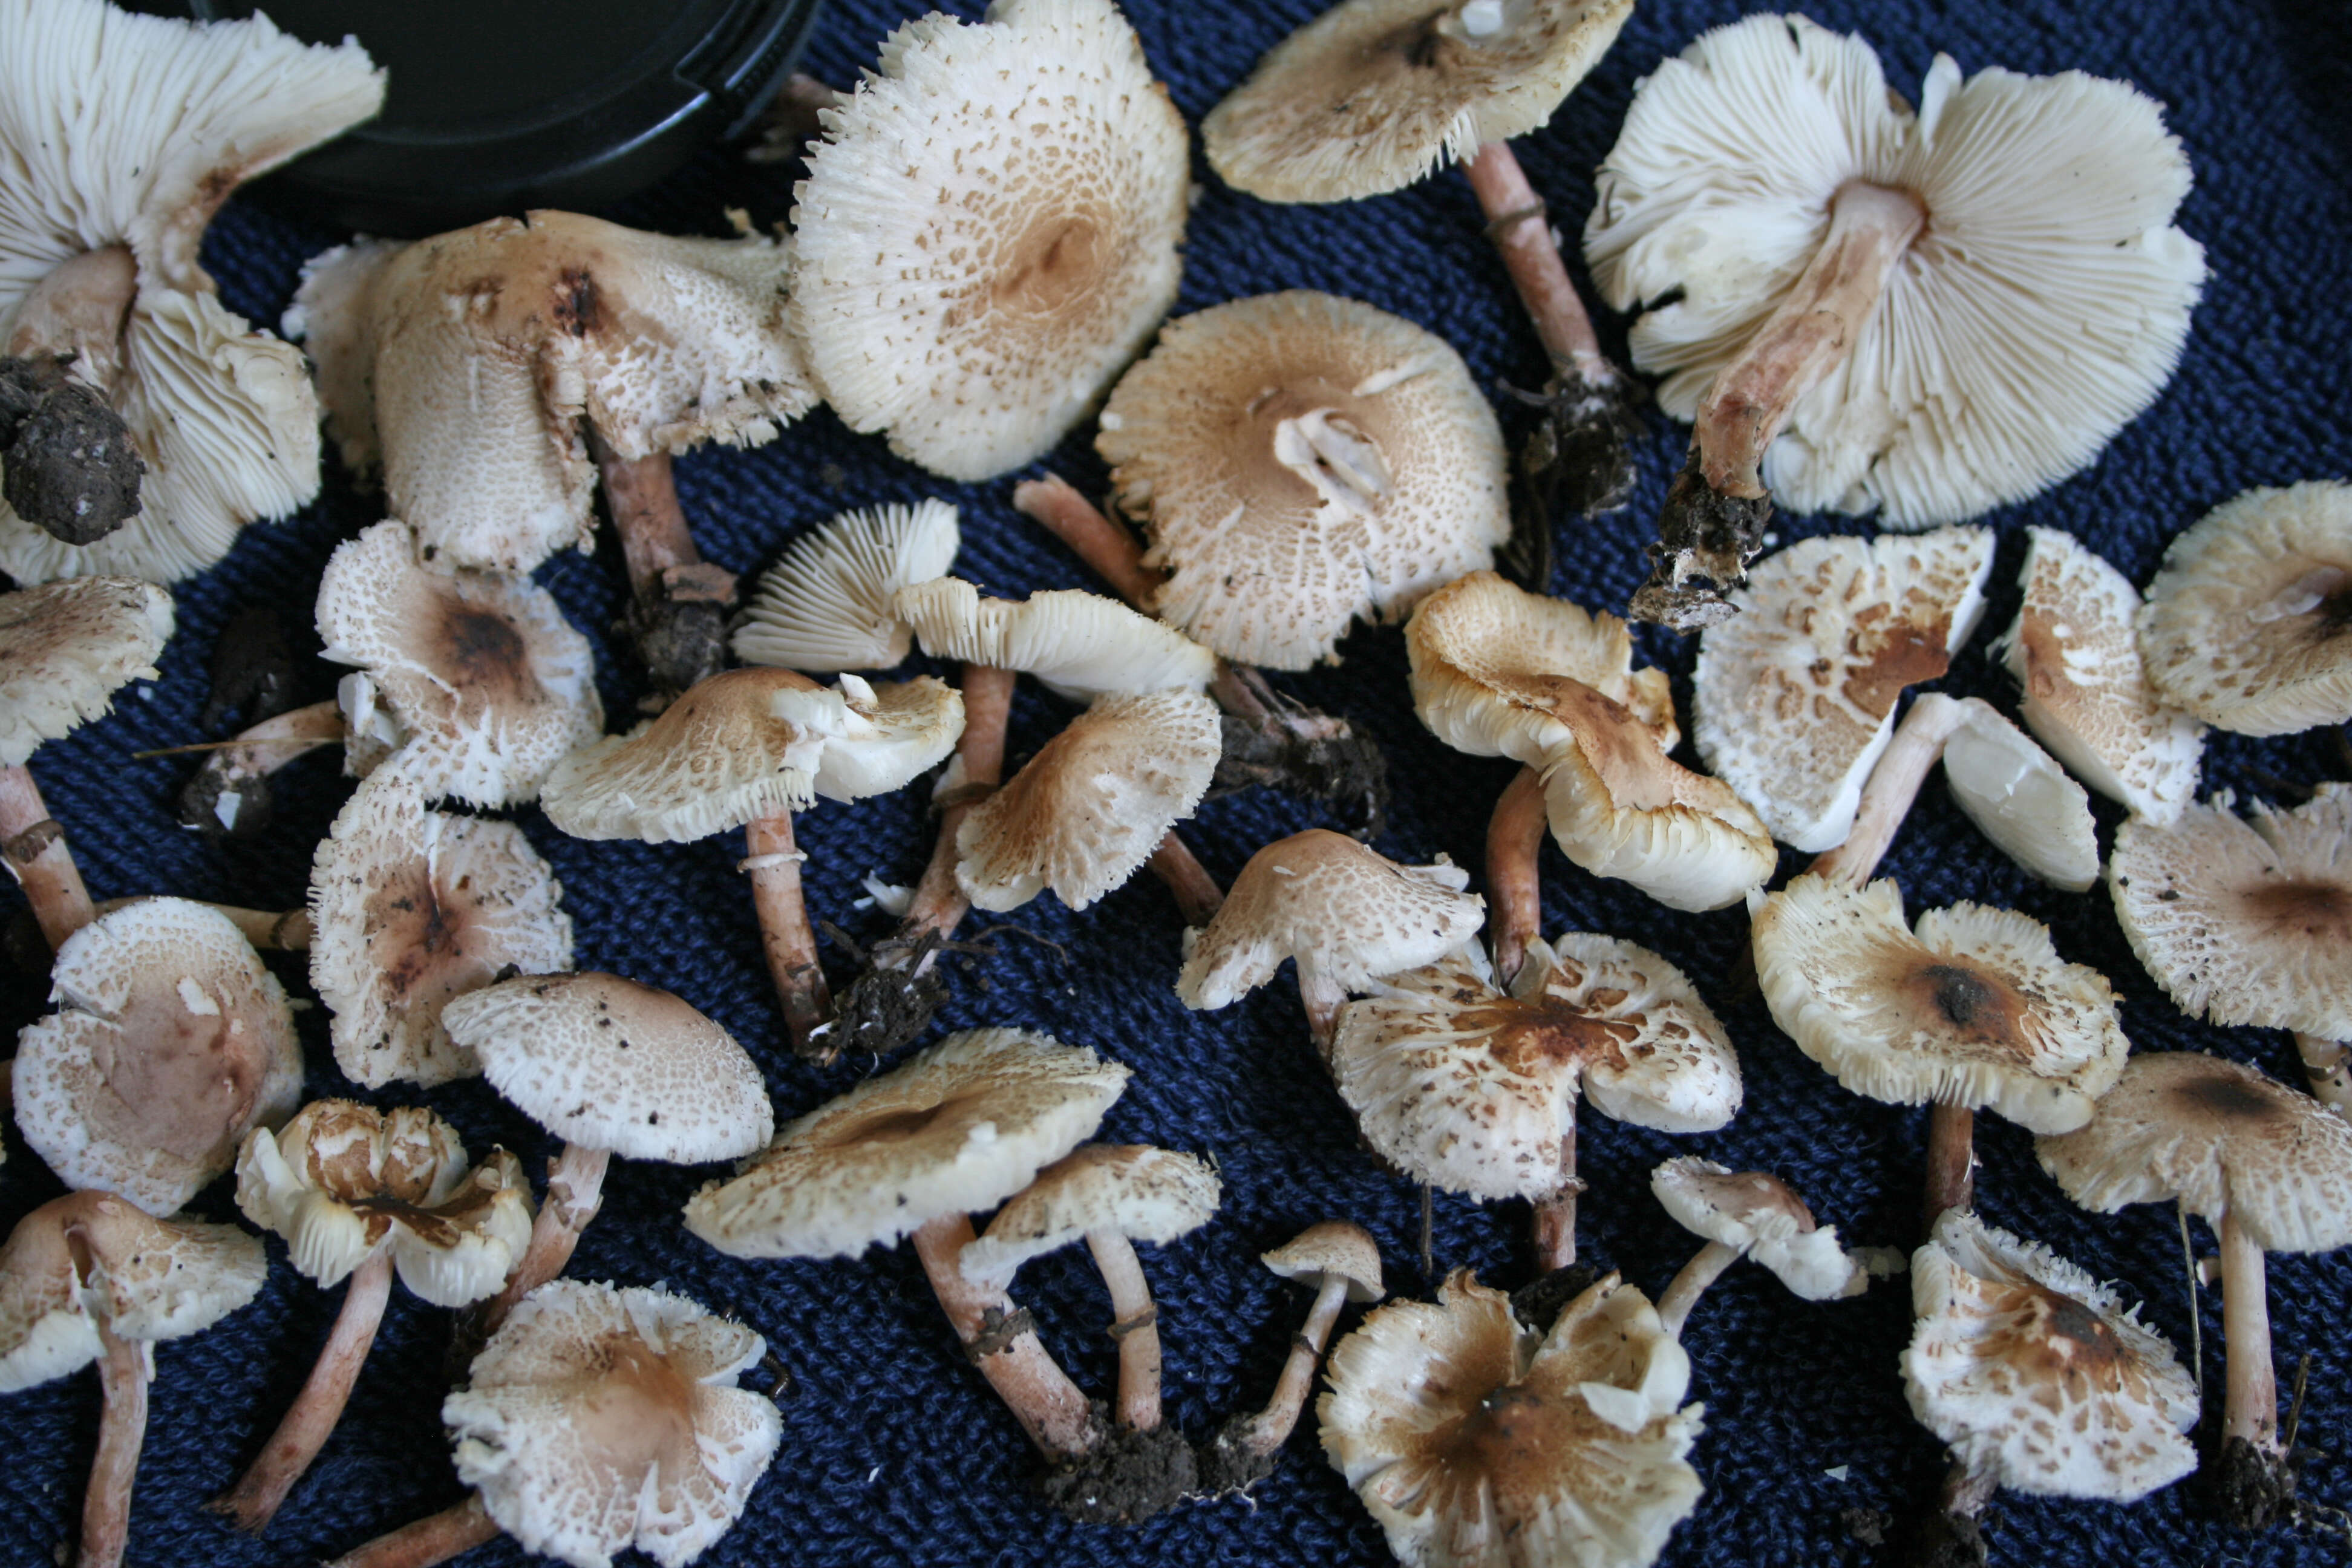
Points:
[(785, 935), (1135, 1325), (1903, 767), (2328, 1064), (1516, 223), (124, 1370), (434, 1538), (1095, 539), (253, 1501), (938, 904), (231, 771), (1039, 1394), (1198, 896), (34, 848), (1271, 1427), (575, 1191), (1322, 997), (2250, 1405), (1515, 836), (664, 565), (1555, 1216), (1951, 1161), (1701, 1271)]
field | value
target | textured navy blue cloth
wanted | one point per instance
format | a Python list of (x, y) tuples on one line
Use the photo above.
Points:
[(894, 1450)]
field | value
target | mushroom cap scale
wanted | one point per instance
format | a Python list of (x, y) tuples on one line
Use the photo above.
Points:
[(1763, 1218), (65, 647), (825, 605), (1080, 645), (1141, 1193), (1335, 1249)]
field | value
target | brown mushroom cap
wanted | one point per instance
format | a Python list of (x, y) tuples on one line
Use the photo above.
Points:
[(1080, 645), (1141, 1193), (1763, 1218), (1335, 1249), (64, 650), (825, 605)]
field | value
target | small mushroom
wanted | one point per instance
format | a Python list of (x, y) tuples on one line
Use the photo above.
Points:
[(826, 605), (1341, 1263), (1748, 1213)]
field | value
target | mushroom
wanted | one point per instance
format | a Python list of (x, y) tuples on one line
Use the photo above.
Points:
[(231, 794), (86, 1277), (2269, 1169), (358, 1192), (826, 605), (1820, 260), (1748, 1213), (1341, 1263), (975, 301)]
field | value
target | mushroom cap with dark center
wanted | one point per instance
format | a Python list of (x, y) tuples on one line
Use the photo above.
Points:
[(65, 648), (1763, 1217), (1139, 1192), (825, 605)]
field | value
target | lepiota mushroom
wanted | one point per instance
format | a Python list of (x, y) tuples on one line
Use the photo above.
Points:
[(1342, 1264), (1748, 1213), (826, 605)]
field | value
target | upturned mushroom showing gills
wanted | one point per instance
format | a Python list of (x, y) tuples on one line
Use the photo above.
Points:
[(1861, 306), (826, 605), (121, 136), (1751, 1214), (1341, 1263)]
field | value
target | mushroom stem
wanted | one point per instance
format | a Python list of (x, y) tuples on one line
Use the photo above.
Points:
[(268, 929), (679, 599), (1893, 785), (233, 770), (1198, 896), (785, 936), (1555, 1216), (1701, 1271), (1517, 223), (34, 848), (1135, 1325), (999, 1342), (1515, 836), (123, 1373), (2329, 1065), (575, 1191), (1322, 997), (1271, 1427), (2250, 1405), (1951, 1161), (255, 1499), (938, 904), (434, 1539), (1094, 538), (78, 308)]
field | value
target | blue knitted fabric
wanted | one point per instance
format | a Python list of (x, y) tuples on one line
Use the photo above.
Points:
[(894, 1450)]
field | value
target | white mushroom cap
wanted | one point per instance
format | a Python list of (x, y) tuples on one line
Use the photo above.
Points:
[(1303, 461), (1334, 1250), (487, 681), (2039, 310), (904, 729), (1976, 1010), (2036, 1374), (64, 650), (171, 1042), (1473, 1443), (1080, 645), (1763, 1218), (2245, 624), (1083, 814), (988, 231), (1794, 697), (2019, 798), (825, 605), (1141, 1193), (1344, 912), (601, 1418), (1373, 94), (956, 1128), (2245, 922), (607, 1063)]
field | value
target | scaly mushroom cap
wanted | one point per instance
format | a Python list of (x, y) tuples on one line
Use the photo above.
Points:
[(1143, 1194), (974, 299), (600, 1418), (825, 605), (2219, 1137), (901, 730), (1303, 461), (1080, 645), (410, 908), (956, 1128), (1976, 1010), (2048, 201), (2249, 624), (2245, 922), (2035, 1373), (1334, 1250), (1086, 812), (1476, 1445), (2082, 689), (1374, 94), (1343, 912), (1793, 699), (607, 1063), (90, 1257), (487, 682), (66, 648), (1764, 1218), (342, 1182), (2021, 799), (170, 1042)]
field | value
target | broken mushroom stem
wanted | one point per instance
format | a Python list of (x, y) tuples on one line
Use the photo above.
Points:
[(999, 1342), (575, 1191), (1515, 836), (34, 848), (1135, 1325), (1554, 1221), (434, 1539), (2329, 1065), (1260, 1434), (678, 600), (1951, 1161), (786, 938), (1113, 553), (124, 1368), (1918, 743), (1703, 1270), (1198, 896), (1518, 223), (2249, 1401), (239, 767)]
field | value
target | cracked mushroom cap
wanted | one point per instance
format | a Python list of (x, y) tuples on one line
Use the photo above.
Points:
[(1473, 1442), (1374, 94), (598, 1418), (2021, 799), (989, 231), (89, 1258), (1303, 461), (2248, 625), (1334, 1250), (904, 729), (607, 1063), (1794, 697), (485, 681), (66, 648), (1976, 1010), (2039, 310), (170, 1042), (410, 908), (1345, 912), (1762, 1218), (342, 1182), (825, 605), (956, 1128), (1080, 645), (1141, 1193), (1085, 813), (2036, 1373)]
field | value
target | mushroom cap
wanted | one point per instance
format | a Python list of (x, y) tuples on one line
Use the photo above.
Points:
[(1083, 814), (898, 730), (2219, 1137), (1334, 1250), (90, 1257), (989, 230), (342, 1182), (1141, 1193), (2048, 201), (2021, 799), (607, 1063), (410, 908), (171, 1042), (600, 1418), (2245, 922), (1303, 461), (1793, 699), (1473, 1443), (825, 605), (488, 684), (956, 1128), (2036, 1374), (1080, 645), (1976, 1010), (64, 650), (2246, 624), (2082, 689), (1374, 94), (1762, 1217), (1346, 913)]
